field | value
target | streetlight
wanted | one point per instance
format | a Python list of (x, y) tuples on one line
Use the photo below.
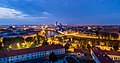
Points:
[(23, 44), (10, 47), (17, 44)]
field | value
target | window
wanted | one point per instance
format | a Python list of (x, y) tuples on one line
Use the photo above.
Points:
[(115, 58), (32, 54), (37, 56), (27, 57)]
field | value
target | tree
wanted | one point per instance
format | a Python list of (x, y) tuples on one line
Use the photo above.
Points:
[(115, 47), (93, 42), (7, 42), (29, 39), (110, 44), (38, 38), (88, 46), (52, 38), (15, 41), (52, 44), (67, 46), (111, 49), (45, 43), (114, 35), (97, 34), (3, 48), (53, 57), (83, 47), (104, 35), (18, 39)]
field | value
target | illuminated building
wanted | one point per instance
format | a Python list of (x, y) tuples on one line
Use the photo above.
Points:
[(13, 56), (56, 23), (60, 27), (115, 55), (100, 57)]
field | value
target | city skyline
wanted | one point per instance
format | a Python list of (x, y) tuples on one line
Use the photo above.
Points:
[(20, 12)]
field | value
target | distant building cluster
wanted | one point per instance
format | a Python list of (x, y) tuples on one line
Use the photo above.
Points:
[(79, 41)]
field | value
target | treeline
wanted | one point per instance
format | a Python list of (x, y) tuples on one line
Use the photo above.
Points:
[(20, 42), (106, 35), (12, 41), (16, 42)]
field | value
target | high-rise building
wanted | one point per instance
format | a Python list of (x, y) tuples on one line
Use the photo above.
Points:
[(56, 23), (60, 27)]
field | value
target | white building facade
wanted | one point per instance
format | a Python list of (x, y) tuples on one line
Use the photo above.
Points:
[(114, 55), (29, 56)]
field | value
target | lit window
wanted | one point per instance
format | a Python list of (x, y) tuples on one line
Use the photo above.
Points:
[(115, 58)]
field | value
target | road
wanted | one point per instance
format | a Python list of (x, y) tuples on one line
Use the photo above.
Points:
[(81, 35)]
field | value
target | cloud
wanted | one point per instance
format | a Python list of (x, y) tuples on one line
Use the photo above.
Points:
[(42, 17), (11, 13), (46, 13)]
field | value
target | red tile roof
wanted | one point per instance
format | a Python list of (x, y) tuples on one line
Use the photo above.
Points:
[(81, 51), (112, 52), (29, 50), (103, 57), (78, 50)]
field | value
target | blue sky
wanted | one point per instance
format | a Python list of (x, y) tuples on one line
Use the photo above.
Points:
[(65, 11)]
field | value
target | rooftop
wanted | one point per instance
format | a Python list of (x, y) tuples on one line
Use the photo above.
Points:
[(112, 52), (81, 51), (103, 57)]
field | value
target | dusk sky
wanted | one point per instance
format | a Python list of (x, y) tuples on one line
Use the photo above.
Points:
[(64, 11)]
